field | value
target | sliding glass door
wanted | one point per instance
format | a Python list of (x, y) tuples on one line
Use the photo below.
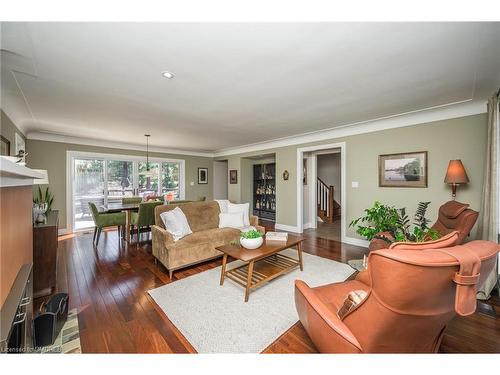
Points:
[(108, 178), (120, 179), (88, 187)]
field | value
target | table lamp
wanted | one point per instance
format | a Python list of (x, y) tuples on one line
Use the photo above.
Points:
[(455, 175)]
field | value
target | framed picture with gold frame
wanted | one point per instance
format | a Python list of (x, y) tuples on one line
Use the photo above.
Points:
[(403, 170)]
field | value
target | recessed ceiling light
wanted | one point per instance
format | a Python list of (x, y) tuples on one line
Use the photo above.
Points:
[(167, 74)]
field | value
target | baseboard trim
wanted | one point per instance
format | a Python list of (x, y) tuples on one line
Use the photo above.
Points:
[(356, 241), (288, 228), (308, 225)]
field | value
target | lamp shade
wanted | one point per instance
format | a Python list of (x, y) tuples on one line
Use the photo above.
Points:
[(456, 173), (41, 181)]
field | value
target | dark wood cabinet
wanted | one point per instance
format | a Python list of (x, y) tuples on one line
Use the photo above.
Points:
[(264, 191), (45, 255)]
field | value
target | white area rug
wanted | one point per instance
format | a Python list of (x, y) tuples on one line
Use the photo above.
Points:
[(215, 319)]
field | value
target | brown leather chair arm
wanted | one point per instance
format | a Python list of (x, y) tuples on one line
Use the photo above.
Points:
[(364, 277), (327, 315)]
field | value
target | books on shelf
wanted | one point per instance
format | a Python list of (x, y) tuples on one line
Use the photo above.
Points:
[(277, 236)]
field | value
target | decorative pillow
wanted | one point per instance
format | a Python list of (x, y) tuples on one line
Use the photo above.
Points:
[(244, 208), (223, 203), (176, 223), (353, 299), (446, 241), (231, 220)]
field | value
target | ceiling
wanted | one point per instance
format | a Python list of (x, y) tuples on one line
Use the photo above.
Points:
[(235, 84)]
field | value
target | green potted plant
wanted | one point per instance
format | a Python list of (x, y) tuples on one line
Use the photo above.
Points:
[(251, 239), (378, 219), (420, 232), (44, 198), (383, 225)]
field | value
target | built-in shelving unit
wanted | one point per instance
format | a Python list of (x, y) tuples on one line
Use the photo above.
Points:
[(264, 191)]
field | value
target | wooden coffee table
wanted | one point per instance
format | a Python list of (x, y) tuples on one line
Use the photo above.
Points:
[(262, 264)]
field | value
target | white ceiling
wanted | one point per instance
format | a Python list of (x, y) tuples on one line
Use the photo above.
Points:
[(236, 84)]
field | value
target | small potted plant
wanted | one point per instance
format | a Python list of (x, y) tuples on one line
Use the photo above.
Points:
[(251, 239)]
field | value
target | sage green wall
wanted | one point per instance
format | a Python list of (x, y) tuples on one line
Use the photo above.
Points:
[(8, 129), (247, 181), (52, 156), (234, 190), (461, 138)]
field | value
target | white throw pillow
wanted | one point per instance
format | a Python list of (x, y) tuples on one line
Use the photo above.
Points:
[(244, 208), (234, 220), (176, 223), (223, 203)]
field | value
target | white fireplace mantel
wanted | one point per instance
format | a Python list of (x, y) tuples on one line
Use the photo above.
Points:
[(14, 174)]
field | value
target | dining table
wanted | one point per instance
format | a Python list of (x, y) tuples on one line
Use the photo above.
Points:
[(128, 208)]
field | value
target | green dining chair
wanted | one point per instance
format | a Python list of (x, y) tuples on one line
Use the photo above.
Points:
[(105, 220), (145, 217), (131, 200)]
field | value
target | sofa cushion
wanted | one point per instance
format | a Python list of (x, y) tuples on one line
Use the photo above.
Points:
[(176, 223), (243, 207), (223, 205), (216, 237), (200, 215), (231, 220)]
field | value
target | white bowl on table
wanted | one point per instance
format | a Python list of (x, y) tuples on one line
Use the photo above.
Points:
[(251, 243)]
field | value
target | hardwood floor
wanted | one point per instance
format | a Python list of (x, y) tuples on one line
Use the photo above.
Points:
[(108, 285)]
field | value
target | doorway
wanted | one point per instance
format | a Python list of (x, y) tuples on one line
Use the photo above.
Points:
[(321, 190)]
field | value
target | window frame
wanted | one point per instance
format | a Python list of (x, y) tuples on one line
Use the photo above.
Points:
[(71, 156)]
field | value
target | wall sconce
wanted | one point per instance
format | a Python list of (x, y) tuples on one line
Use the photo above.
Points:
[(455, 175), (286, 175)]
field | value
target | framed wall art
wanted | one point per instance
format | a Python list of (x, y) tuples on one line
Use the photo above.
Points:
[(233, 176), (202, 175), (403, 170)]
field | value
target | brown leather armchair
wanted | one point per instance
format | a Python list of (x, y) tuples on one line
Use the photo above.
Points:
[(411, 296), (457, 216)]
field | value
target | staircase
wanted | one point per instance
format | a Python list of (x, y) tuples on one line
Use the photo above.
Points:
[(328, 208)]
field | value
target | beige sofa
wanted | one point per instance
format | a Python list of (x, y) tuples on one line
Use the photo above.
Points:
[(203, 218)]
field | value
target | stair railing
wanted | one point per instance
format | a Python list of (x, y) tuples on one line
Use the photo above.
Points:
[(325, 195)]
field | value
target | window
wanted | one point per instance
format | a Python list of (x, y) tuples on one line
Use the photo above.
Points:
[(170, 179), (149, 180), (103, 179), (120, 178)]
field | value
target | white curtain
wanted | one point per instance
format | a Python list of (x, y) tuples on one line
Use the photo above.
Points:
[(488, 225)]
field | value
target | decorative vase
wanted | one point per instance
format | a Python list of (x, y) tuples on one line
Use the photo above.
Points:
[(251, 243), (39, 212)]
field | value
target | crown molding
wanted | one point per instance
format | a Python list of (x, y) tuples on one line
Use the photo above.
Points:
[(422, 116), (52, 137)]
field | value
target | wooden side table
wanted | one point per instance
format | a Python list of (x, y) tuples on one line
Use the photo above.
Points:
[(45, 255)]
